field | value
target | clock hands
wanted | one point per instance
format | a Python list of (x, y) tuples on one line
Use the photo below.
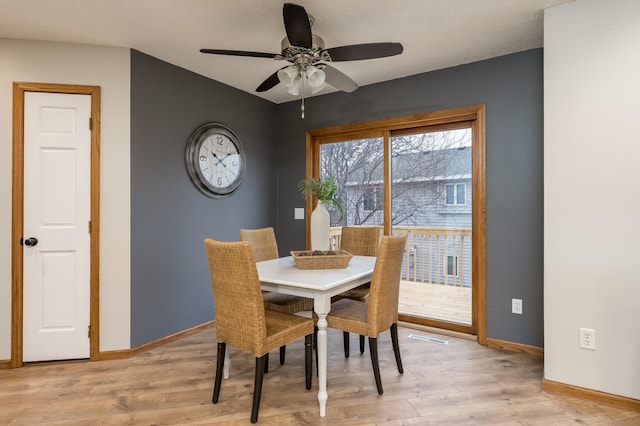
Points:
[(220, 160)]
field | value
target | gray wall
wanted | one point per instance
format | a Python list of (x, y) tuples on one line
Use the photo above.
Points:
[(170, 286), (511, 88)]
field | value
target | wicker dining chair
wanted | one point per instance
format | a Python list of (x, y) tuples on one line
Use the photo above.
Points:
[(265, 247), (380, 311), (360, 241), (241, 319)]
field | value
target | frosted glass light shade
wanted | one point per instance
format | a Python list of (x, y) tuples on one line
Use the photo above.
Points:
[(289, 77), (315, 76)]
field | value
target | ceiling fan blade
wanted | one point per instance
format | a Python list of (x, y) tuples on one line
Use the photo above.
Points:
[(357, 52), (239, 53), (296, 23), (269, 83), (339, 80)]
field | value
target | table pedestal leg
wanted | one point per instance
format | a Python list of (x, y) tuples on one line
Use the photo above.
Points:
[(321, 347)]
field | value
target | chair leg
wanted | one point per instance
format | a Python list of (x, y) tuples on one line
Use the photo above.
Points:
[(373, 349), (315, 334), (219, 366), (283, 350), (345, 339), (396, 347), (315, 346), (266, 363), (308, 348), (361, 344), (257, 386)]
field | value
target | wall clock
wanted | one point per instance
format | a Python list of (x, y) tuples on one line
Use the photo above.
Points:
[(215, 160)]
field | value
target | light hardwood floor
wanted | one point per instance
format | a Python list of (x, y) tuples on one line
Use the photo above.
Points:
[(461, 383)]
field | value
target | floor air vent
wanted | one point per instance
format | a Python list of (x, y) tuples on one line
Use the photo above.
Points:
[(429, 339)]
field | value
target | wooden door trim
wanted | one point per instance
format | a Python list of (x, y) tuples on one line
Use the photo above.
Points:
[(17, 213)]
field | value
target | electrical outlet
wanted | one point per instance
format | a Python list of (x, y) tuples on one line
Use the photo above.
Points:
[(588, 338), (298, 213), (516, 306)]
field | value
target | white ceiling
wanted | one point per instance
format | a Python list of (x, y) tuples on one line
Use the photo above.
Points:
[(435, 33)]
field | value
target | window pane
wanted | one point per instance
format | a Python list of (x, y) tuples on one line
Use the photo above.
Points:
[(357, 166), (450, 198), (461, 193), (379, 198), (430, 171), (450, 265), (369, 199)]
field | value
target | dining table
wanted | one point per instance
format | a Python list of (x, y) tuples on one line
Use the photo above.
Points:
[(283, 276)]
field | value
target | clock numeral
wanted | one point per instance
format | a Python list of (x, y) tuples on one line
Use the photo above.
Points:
[(219, 140), (203, 158), (234, 163), (219, 181)]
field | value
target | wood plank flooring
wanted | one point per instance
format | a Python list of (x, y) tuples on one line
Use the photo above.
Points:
[(461, 383)]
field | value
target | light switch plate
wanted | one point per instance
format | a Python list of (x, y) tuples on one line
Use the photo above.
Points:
[(516, 306), (298, 213)]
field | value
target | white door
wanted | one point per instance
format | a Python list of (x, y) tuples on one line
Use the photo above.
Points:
[(57, 189)]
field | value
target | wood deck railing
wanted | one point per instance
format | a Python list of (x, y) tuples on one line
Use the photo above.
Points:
[(433, 255), (427, 290)]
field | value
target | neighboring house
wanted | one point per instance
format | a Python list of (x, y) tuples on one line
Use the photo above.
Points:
[(431, 189)]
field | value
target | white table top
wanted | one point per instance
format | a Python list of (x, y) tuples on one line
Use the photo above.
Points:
[(283, 271)]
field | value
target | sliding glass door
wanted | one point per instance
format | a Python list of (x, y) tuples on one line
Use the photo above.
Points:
[(431, 200), (420, 175)]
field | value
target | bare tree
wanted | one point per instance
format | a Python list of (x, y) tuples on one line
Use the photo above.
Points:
[(419, 163)]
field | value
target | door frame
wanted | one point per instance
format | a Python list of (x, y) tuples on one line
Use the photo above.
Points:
[(475, 116), (17, 214)]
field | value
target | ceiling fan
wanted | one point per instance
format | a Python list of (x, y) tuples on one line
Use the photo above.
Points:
[(308, 57)]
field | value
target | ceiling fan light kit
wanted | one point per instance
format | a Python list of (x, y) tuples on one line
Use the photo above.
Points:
[(293, 76), (309, 59)]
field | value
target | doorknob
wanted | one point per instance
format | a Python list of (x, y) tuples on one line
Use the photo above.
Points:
[(31, 241)]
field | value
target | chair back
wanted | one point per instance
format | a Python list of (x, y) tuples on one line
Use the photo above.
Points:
[(382, 309), (239, 307), (263, 242), (360, 240)]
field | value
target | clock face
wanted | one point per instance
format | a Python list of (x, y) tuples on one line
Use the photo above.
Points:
[(215, 160)]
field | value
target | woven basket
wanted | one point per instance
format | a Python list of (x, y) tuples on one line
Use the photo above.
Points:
[(319, 259)]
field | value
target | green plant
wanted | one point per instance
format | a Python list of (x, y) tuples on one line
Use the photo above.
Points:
[(325, 190)]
